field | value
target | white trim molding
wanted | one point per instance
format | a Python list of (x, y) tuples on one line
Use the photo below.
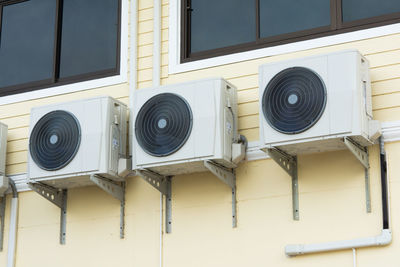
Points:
[(174, 44), (85, 85), (390, 133)]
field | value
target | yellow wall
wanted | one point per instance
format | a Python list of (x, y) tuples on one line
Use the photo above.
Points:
[(332, 197)]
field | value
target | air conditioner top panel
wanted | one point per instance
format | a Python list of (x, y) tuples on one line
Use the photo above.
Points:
[(55, 105), (311, 57)]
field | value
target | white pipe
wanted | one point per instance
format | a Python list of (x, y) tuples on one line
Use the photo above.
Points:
[(383, 239), (354, 258), (12, 239), (157, 43), (157, 82), (161, 229), (133, 64)]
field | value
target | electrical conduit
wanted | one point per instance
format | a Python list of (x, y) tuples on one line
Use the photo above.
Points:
[(12, 239)]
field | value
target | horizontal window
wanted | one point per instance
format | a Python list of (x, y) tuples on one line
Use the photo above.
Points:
[(45, 43), (219, 27)]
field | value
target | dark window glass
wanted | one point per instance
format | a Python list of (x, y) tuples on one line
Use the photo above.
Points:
[(287, 16), (89, 36), (361, 9), (27, 42), (221, 23), (219, 27)]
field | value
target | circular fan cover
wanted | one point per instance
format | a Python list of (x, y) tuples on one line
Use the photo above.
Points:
[(55, 140), (294, 100), (163, 124)]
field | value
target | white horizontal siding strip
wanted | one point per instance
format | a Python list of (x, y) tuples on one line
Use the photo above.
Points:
[(174, 44), (86, 85), (390, 130)]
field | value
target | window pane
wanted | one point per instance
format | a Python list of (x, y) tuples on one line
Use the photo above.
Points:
[(27, 42), (287, 16), (222, 23), (361, 9), (89, 36)]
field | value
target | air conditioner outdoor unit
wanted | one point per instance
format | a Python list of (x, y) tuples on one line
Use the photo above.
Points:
[(68, 142), (3, 146), (177, 127), (311, 104)]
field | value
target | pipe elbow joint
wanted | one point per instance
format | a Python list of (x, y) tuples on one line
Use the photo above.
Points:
[(385, 238)]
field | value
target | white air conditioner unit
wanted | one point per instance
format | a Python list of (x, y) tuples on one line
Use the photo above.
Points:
[(3, 146), (177, 127), (68, 142), (310, 104)]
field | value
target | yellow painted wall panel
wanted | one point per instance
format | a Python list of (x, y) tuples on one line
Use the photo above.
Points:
[(145, 26), (164, 47), (25, 107), (18, 133), (164, 71), (246, 109), (386, 87), (145, 84), (145, 75), (17, 157), (386, 101), (145, 62), (248, 122), (251, 134), (384, 58), (385, 73), (165, 23), (164, 10), (17, 145), (145, 14), (143, 4), (16, 122), (16, 168), (249, 95), (164, 35), (164, 59), (145, 38), (387, 114), (145, 51)]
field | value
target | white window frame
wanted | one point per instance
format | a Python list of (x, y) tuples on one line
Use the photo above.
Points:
[(175, 44), (85, 85)]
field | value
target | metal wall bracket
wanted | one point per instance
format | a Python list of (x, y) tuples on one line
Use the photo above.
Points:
[(361, 154), (117, 190), (59, 198), (289, 164), (162, 184), (227, 176), (2, 219)]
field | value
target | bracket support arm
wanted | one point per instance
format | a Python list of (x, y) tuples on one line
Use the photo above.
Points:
[(163, 185), (117, 190), (59, 198), (362, 155), (227, 176), (289, 164)]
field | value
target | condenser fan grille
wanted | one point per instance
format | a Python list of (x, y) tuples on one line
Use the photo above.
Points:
[(55, 140), (294, 100), (163, 124)]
